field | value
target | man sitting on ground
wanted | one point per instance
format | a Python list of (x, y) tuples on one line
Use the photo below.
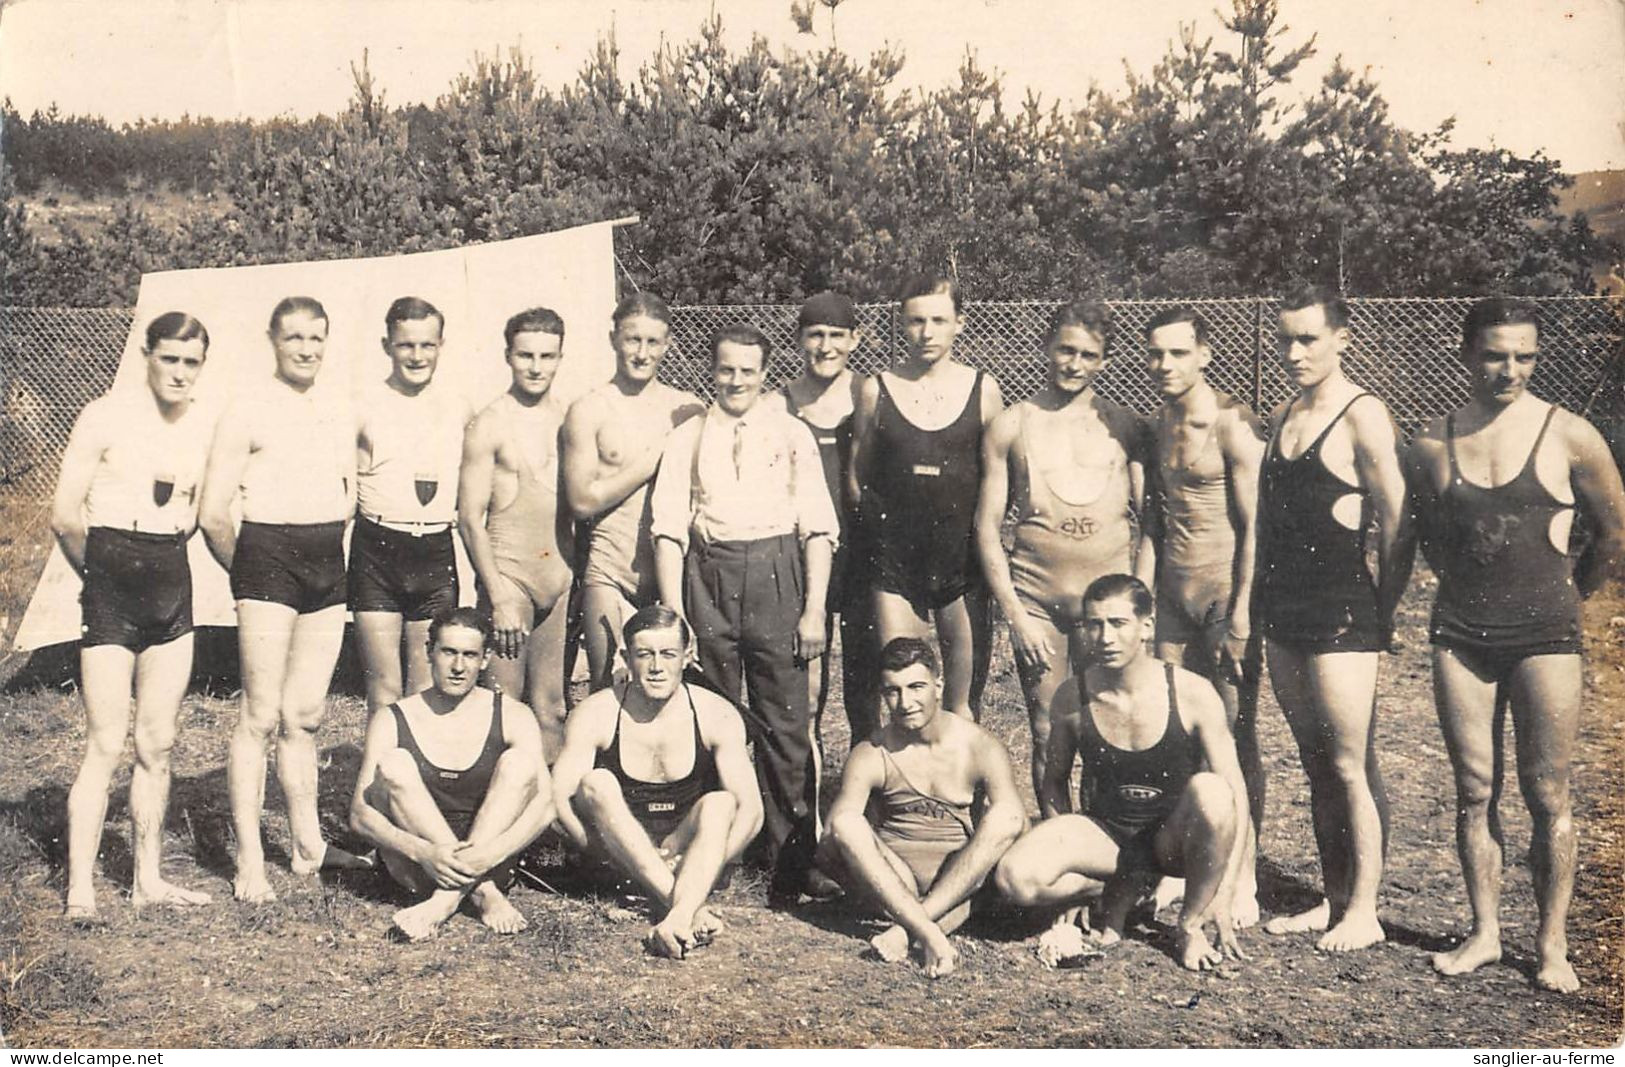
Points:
[(622, 793), (1143, 729), (453, 834), (927, 853)]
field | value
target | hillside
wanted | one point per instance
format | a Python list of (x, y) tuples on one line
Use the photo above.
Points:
[(1600, 194)]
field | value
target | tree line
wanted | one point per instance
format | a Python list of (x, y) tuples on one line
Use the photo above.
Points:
[(762, 177)]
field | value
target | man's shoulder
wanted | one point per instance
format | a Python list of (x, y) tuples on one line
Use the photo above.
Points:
[(1237, 416), (715, 712), (1198, 699)]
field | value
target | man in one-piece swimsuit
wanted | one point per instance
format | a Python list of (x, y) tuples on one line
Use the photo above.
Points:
[(1208, 447), (916, 468), (403, 564), (452, 785), (1324, 618), (825, 397), (1495, 485), (655, 778), (1074, 463), (287, 449), (927, 852), (125, 507), (611, 446), (1144, 731), (517, 538)]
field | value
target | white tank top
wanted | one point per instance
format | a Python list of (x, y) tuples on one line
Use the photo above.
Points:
[(301, 455), (148, 479), (416, 451)]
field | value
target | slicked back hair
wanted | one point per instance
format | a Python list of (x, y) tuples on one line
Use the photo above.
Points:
[(412, 309), (175, 326), (646, 304), (654, 617), (1173, 316), (901, 653), (471, 618), (292, 305), (532, 320), (1108, 586), (1328, 300), (741, 333), (1495, 311)]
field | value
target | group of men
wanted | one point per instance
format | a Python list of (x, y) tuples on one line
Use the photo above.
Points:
[(701, 556)]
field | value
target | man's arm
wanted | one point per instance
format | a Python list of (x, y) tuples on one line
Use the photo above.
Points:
[(585, 732), (671, 511), (589, 491), (1241, 442), (86, 446), (725, 730), (1376, 461), (524, 738), (1032, 647), (1597, 485), (1139, 448), (818, 529), (443, 863), (228, 456), (1055, 789), (475, 485), (1003, 820), (1421, 497), (863, 418)]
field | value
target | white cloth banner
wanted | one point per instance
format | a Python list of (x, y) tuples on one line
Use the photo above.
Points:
[(477, 288)]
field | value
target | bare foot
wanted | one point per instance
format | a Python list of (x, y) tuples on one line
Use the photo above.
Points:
[(1170, 891), (1470, 955), (939, 955), (668, 939), (891, 944), (82, 913), (1316, 918), (1356, 930), (1556, 973), (1244, 914), (168, 894), (1106, 938), (332, 858), (422, 921), (252, 888), (1061, 943), (1195, 951), (498, 913), (707, 925)]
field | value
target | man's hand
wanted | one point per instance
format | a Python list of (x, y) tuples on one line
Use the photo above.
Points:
[(809, 638), (475, 858), (1031, 644), (508, 618), (447, 866)]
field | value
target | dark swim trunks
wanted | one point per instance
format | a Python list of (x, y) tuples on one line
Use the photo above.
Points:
[(138, 589)]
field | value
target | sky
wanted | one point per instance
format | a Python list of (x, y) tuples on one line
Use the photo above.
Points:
[(1518, 74)]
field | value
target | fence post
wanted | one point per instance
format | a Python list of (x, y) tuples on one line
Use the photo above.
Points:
[(1258, 356)]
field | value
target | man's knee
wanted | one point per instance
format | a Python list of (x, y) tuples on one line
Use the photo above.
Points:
[(598, 792), (1015, 880), (519, 769), (153, 744), (1547, 795), (847, 830), (259, 720), (1347, 768), (717, 807), (1212, 801), (397, 770)]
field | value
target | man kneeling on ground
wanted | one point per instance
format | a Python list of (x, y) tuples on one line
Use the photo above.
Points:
[(1144, 730), (927, 853), (623, 793), (453, 785)]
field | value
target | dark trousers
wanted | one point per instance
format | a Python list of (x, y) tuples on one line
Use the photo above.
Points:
[(744, 599)]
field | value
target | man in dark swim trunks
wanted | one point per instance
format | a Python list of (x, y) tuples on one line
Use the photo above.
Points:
[(1143, 729), (916, 469), (452, 785), (1324, 618), (927, 853), (622, 791), (1494, 486)]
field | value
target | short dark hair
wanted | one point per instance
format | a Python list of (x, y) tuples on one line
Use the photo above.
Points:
[(290, 305), (741, 333), (1178, 313), (412, 309), (901, 653), (175, 326), (1329, 300), (654, 617), (469, 618), (1091, 315), (532, 320), (929, 285), (646, 304), (1495, 311), (1108, 586)]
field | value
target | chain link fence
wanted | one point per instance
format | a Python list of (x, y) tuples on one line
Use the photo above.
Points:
[(54, 360)]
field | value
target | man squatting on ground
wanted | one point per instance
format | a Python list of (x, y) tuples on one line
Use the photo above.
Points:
[(1331, 467), (288, 451), (1144, 731), (1208, 447), (1074, 463), (452, 785), (613, 437), (744, 531), (927, 851), (1494, 485), (403, 565), (825, 398), (517, 537), (622, 791), (125, 507), (916, 466)]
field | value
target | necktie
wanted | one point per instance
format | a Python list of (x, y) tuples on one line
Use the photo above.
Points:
[(739, 451)]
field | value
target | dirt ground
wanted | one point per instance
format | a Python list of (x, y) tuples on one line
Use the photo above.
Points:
[(316, 968)]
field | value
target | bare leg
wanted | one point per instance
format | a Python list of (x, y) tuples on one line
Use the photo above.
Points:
[(603, 809), (415, 656), (312, 654), (1060, 862), (378, 639), (1471, 718), (161, 674), (603, 611), (410, 807), (867, 863), (1293, 692), (1546, 693), (106, 674), (513, 786), (1196, 840), (957, 633), (264, 633), (704, 853), (1038, 689), (510, 673), (544, 670)]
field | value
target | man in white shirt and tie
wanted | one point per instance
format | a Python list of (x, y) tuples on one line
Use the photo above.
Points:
[(744, 530)]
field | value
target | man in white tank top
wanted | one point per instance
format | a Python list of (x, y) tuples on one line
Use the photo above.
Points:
[(403, 565), (125, 506), (287, 451)]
